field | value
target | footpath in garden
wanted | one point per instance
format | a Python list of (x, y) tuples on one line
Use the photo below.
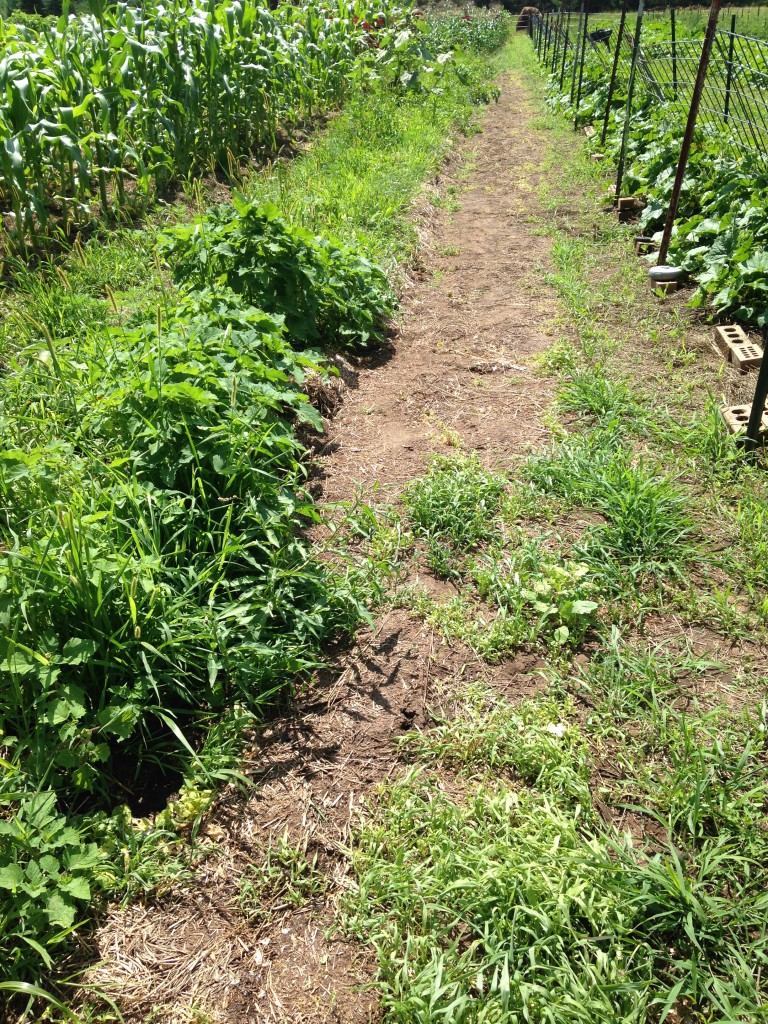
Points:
[(474, 314), (535, 784)]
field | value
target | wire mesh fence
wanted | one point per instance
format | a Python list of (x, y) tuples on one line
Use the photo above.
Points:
[(684, 94), (734, 101)]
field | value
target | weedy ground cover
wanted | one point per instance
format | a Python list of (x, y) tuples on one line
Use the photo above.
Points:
[(156, 589), (596, 851)]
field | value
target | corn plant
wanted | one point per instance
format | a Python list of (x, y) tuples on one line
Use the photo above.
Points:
[(99, 113)]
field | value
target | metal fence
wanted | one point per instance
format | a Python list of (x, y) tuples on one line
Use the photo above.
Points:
[(734, 100), (716, 85)]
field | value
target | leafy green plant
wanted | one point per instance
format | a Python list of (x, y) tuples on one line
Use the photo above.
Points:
[(326, 291), (720, 238), (46, 867), (555, 596)]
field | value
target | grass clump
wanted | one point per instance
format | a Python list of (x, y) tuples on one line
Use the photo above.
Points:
[(456, 501), (588, 392), (648, 529), (506, 906), (538, 743), (287, 876)]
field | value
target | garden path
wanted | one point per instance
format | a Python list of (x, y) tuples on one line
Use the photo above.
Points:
[(461, 368)]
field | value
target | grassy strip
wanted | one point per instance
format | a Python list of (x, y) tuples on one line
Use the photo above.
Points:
[(358, 179), (155, 585), (605, 859)]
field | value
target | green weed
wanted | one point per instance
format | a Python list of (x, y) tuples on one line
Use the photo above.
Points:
[(285, 877), (505, 905), (456, 501), (539, 743)]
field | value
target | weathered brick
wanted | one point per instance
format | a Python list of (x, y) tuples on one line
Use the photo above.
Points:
[(736, 418), (745, 357), (728, 334)]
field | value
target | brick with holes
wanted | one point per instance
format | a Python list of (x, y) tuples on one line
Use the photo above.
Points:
[(736, 418), (746, 356), (728, 334)]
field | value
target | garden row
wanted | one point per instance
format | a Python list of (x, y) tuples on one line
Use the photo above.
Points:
[(721, 233), (156, 589), (152, 575), (98, 114)]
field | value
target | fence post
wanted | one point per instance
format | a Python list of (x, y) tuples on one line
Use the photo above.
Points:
[(685, 149), (630, 94), (576, 53), (758, 406), (558, 38), (614, 69), (673, 30), (581, 63), (555, 46), (729, 73), (565, 54)]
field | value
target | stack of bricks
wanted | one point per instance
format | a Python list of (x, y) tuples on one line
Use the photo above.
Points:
[(732, 342)]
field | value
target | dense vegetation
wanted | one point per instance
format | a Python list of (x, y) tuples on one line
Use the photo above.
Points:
[(721, 233), (99, 113), (152, 575), (156, 589)]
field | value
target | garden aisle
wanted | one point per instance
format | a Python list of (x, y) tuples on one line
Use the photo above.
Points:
[(461, 369), (473, 316)]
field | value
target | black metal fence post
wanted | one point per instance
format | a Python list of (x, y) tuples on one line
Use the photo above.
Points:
[(614, 69), (558, 39), (758, 407), (673, 31), (555, 45), (690, 126), (576, 53), (729, 71), (581, 62), (630, 95), (565, 54)]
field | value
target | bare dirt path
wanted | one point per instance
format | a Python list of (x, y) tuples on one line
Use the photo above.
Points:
[(474, 316)]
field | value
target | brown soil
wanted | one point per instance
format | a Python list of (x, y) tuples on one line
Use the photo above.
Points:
[(474, 315)]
